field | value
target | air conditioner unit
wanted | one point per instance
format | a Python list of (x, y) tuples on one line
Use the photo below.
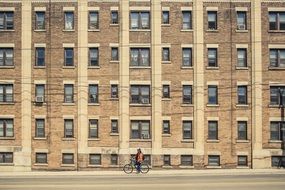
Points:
[(39, 99), (241, 27), (145, 101), (145, 136)]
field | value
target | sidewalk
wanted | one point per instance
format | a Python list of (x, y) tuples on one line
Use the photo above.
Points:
[(151, 172)]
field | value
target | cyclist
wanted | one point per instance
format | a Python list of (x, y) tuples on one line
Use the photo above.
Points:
[(139, 160)]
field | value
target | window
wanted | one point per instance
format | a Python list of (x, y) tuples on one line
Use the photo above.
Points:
[(68, 158), (68, 93), (93, 93), (114, 126), (186, 160), (166, 127), (93, 128), (187, 129), (212, 20), (187, 20), (6, 127), (93, 20), (40, 56), (41, 158), (114, 159), (165, 91), (212, 57), (213, 130), (147, 159), (213, 160), (6, 92), (6, 57), (276, 20), (69, 21), (68, 128), (277, 130), (242, 95), (140, 94), (187, 94), (241, 57), (166, 160), (115, 54), (277, 161), (242, 161), (277, 57), (213, 94), (93, 57), (165, 54), (241, 20), (6, 21), (40, 93), (40, 128), (140, 130), (40, 20), (187, 57), (140, 20), (140, 57), (114, 91), (68, 57), (6, 157), (165, 17), (242, 130), (277, 95), (114, 17), (95, 159)]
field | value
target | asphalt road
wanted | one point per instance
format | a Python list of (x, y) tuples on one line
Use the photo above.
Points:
[(145, 182)]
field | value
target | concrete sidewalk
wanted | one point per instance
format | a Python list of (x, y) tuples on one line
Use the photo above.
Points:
[(151, 172)]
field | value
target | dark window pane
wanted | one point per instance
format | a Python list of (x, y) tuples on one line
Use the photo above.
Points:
[(186, 160), (165, 17), (212, 130), (166, 160), (212, 20), (242, 160), (212, 57), (67, 158), (213, 160), (114, 17), (40, 20), (41, 158), (187, 20), (212, 94), (93, 57), (165, 91), (166, 127), (242, 94), (187, 94), (68, 93), (93, 128), (68, 52), (95, 159), (242, 130), (93, 20), (93, 93), (187, 57), (114, 126), (187, 129)]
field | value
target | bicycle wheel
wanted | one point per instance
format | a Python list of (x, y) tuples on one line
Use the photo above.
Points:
[(128, 168), (144, 168)]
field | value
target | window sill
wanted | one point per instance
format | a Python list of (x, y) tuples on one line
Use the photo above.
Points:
[(212, 30), (93, 104), (212, 68), (139, 30), (7, 138), (38, 164), (7, 103), (242, 105), (187, 67), (187, 141), (68, 104), (242, 167), (166, 135), (93, 30), (93, 67), (213, 105), (40, 138), (68, 139), (140, 67), (114, 25), (94, 166), (213, 167), (39, 67), (241, 31), (67, 165), (213, 141), (186, 167), (167, 167), (140, 105), (7, 67), (166, 99), (241, 68), (276, 68), (40, 30), (6, 164), (115, 61), (7, 30), (242, 141), (93, 139), (166, 62), (187, 105), (275, 141), (274, 106), (66, 30), (114, 99), (114, 134), (140, 140), (186, 30), (276, 31), (165, 25), (68, 67)]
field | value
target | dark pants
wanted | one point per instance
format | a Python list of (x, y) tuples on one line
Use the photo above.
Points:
[(138, 166)]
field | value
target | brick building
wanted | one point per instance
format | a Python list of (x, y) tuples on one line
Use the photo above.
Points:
[(193, 83)]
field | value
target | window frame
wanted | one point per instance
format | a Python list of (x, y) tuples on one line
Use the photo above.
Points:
[(6, 21), (165, 20), (187, 23), (140, 95), (68, 60), (185, 132), (114, 128), (139, 130), (68, 95), (242, 99), (244, 13), (187, 99), (7, 97), (114, 57), (37, 128), (93, 61), (213, 62), (139, 20), (242, 62), (185, 162), (166, 57), (91, 25), (95, 128), (165, 91), (212, 25), (43, 23), (276, 99), (276, 62), (115, 20), (213, 130), (40, 60), (37, 86), (93, 98), (95, 163), (114, 162), (4, 160), (214, 163), (139, 62), (66, 130), (38, 160), (215, 87), (242, 134), (5, 58), (114, 91), (66, 13), (166, 160), (280, 132), (185, 58), (165, 130), (67, 161), (5, 128), (241, 162), (277, 22)]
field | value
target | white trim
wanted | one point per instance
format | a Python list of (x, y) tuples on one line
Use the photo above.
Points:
[(242, 46), (40, 9), (242, 83), (140, 82), (68, 82), (39, 116), (113, 44), (148, 118), (186, 8), (187, 118), (139, 8), (276, 46), (165, 8), (166, 82), (39, 81), (186, 45), (93, 82), (39, 45), (114, 8), (212, 8), (114, 117), (279, 9), (68, 116), (68, 151), (209, 153), (166, 46), (41, 150), (276, 83), (65, 9), (7, 81), (212, 45), (275, 119), (93, 117), (242, 119), (7, 9), (166, 118), (9, 45), (114, 82), (212, 83), (94, 45), (186, 82), (93, 8), (138, 45), (212, 118), (7, 116), (68, 45), (241, 8), (242, 153)]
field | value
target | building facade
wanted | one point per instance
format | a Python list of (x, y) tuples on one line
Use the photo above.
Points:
[(193, 83)]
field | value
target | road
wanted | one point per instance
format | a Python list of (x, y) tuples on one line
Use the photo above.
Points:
[(145, 182)]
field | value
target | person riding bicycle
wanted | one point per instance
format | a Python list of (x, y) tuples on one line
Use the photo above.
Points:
[(139, 160)]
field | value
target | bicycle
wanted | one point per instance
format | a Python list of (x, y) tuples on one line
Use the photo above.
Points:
[(129, 168)]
